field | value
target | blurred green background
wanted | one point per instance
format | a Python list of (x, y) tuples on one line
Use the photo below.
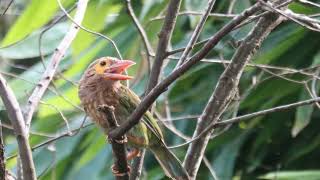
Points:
[(281, 145)]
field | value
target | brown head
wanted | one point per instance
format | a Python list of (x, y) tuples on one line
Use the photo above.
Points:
[(108, 68), (103, 72)]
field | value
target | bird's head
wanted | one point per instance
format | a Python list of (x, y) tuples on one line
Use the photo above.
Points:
[(110, 68)]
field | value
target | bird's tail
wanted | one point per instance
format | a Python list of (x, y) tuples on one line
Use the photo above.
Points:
[(169, 162)]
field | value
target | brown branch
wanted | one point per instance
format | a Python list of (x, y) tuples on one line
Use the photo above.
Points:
[(300, 19), (264, 112), (134, 118), (226, 89), (20, 129), (163, 45), (196, 33), (47, 76), (120, 168), (195, 13)]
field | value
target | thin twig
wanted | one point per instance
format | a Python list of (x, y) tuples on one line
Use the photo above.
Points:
[(4, 12), (9, 127), (195, 13), (302, 20), (196, 33), (141, 31), (264, 112)]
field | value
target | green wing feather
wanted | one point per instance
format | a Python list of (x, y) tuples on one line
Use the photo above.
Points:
[(130, 100), (170, 163)]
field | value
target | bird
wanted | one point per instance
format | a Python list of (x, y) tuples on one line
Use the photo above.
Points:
[(101, 85)]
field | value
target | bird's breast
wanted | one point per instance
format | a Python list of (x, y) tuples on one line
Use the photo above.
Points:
[(94, 100)]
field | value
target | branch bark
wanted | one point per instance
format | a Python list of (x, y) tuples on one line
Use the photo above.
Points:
[(225, 90), (120, 168), (134, 118), (164, 40), (47, 76), (264, 112), (15, 115)]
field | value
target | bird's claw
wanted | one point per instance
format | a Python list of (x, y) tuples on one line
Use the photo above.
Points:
[(116, 172), (123, 140)]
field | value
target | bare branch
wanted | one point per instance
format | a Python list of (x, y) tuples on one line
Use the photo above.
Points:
[(20, 130), (302, 20), (47, 76), (195, 13), (164, 40), (264, 112), (4, 12), (226, 89)]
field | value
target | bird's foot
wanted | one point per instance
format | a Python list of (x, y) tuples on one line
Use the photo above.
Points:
[(116, 172), (134, 153), (122, 140)]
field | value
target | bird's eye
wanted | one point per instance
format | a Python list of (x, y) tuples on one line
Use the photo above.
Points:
[(103, 63)]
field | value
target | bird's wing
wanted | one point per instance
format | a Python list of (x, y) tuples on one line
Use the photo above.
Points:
[(130, 100)]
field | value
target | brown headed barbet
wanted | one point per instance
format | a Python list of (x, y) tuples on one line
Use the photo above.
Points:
[(100, 85)]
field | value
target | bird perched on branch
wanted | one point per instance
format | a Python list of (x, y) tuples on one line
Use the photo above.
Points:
[(100, 85)]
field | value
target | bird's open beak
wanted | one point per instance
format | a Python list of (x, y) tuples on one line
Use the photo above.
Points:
[(114, 72)]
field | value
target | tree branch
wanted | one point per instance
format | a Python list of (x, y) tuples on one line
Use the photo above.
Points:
[(120, 168), (264, 112), (196, 33), (225, 90), (164, 40), (47, 76), (134, 118), (20, 130)]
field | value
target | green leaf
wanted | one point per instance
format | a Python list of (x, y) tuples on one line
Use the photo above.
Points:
[(224, 161), (29, 47), (293, 175), (303, 115), (37, 14)]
